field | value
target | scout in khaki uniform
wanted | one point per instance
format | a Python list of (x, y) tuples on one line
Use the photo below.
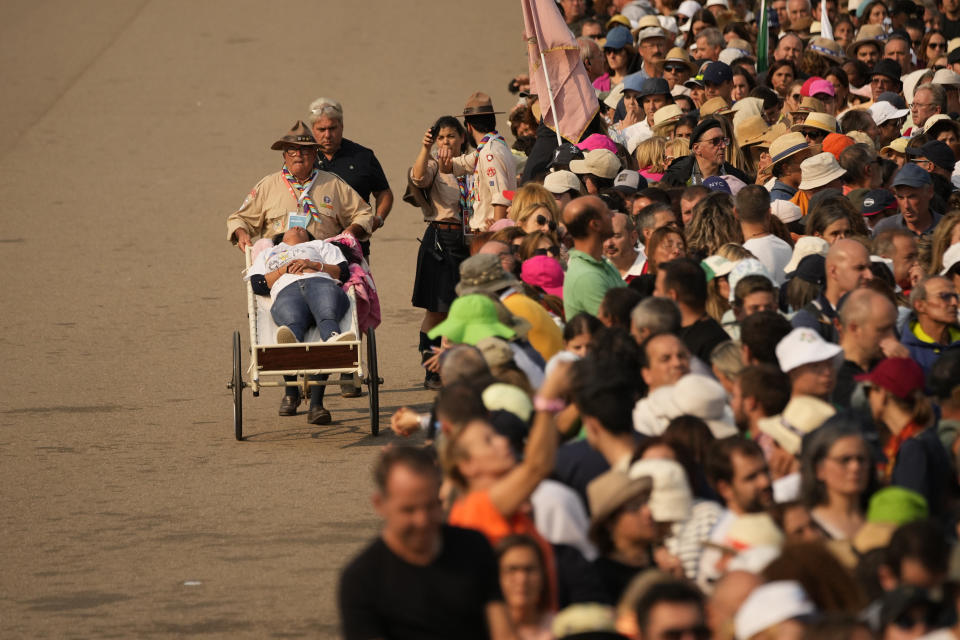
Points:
[(300, 195), (492, 165)]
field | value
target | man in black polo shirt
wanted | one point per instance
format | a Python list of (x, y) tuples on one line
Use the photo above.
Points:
[(420, 578), (354, 163)]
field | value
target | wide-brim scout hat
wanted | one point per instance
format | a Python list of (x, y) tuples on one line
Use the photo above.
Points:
[(479, 104), (298, 136), (483, 273), (786, 146), (871, 34)]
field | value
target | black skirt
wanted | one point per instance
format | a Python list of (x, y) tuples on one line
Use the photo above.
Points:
[(438, 268)]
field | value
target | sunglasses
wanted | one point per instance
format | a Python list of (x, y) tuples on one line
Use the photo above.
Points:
[(946, 296), (815, 134), (698, 632), (544, 220), (553, 251), (611, 52), (674, 68), (937, 45), (721, 141)]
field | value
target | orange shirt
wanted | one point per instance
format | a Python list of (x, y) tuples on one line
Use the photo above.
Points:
[(475, 510)]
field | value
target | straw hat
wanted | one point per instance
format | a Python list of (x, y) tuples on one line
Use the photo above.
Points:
[(871, 34), (715, 106), (827, 48), (667, 115), (822, 121), (678, 54), (611, 490), (819, 170), (298, 136), (809, 104), (751, 131), (786, 146), (802, 415)]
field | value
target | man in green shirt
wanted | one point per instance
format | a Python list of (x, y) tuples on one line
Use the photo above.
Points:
[(589, 276)]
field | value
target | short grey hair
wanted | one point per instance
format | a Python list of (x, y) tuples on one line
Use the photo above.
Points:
[(324, 108), (937, 93), (587, 48), (463, 363), (919, 291), (713, 35), (656, 315)]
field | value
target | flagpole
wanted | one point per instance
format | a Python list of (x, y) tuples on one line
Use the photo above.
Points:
[(553, 107)]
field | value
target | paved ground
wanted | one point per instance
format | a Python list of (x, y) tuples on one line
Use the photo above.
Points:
[(130, 130)]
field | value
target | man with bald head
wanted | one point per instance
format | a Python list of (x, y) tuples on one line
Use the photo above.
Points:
[(502, 250), (790, 47), (847, 268), (664, 360), (867, 321), (589, 276)]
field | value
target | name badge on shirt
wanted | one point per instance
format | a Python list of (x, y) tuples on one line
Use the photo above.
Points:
[(294, 219)]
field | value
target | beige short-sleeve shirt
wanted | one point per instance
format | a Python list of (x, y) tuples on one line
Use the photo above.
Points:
[(494, 171), (444, 193)]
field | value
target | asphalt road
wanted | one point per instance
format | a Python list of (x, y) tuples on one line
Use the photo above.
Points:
[(128, 132)]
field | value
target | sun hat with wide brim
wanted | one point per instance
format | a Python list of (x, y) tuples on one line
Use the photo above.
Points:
[(786, 146), (478, 104), (611, 490), (677, 55), (298, 136), (872, 34), (819, 170), (483, 273), (750, 131), (802, 415), (471, 319), (827, 48)]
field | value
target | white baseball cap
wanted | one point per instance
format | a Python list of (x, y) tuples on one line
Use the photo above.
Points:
[(786, 211), (718, 3), (951, 258), (805, 346), (771, 604), (688, 8), (562, 181), (883, 111), (806, 246), (670, 498), (947, 77)]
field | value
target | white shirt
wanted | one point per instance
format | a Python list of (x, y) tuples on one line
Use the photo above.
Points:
[(773, 253), (637, 133), (283, 253)]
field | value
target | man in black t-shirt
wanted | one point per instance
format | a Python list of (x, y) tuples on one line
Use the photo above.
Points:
[(420, 579), (684, 281)]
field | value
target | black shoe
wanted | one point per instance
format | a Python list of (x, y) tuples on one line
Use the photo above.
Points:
[(432, 381), (289, 404), (318, 415), (349, 390)]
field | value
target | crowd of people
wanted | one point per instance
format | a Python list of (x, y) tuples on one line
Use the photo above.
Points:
[(697, 372)]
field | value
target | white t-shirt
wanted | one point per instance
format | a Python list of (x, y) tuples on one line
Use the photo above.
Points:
[(773, 253), (314, 250)]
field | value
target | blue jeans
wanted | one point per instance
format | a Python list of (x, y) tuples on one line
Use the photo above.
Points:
[(303, 304)]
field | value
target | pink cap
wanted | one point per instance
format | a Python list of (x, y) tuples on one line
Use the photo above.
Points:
[(502, 223), (544, 272), (805, 89), (597, 141), (822, 86)]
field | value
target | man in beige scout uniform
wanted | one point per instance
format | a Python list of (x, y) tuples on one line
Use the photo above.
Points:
[(492, 165), (300, 195)]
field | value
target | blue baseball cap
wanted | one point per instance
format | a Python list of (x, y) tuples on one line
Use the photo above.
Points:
[(910, 175), (716, 183), (717, 73), (634, 82), (618, 38)]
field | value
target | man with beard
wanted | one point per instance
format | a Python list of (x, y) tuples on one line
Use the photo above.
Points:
[(737, 471), (761, 391)]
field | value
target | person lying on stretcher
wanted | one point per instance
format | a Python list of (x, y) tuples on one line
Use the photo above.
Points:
[(303, 277)]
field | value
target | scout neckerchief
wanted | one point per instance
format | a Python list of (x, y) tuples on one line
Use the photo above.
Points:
[(492, 136), (302, 192)]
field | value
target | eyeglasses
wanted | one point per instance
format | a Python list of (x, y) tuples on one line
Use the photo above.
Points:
[(611, 52), (920, 105), (298, 151), (815, 134), (543, 220), (844, 461), (553, 251), (717, 142), (948, 297)]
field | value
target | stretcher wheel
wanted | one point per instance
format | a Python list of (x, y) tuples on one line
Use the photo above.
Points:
[(373, 382), (236, 385)]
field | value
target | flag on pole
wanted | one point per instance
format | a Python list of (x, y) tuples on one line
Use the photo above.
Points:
[(568, 101), (763, 39), (826, 31)]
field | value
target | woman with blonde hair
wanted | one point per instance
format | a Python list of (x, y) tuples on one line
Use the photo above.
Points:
[(712, 226), (677, 148), (945, 235), (536, 216), (651, 157), (529, 193)]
